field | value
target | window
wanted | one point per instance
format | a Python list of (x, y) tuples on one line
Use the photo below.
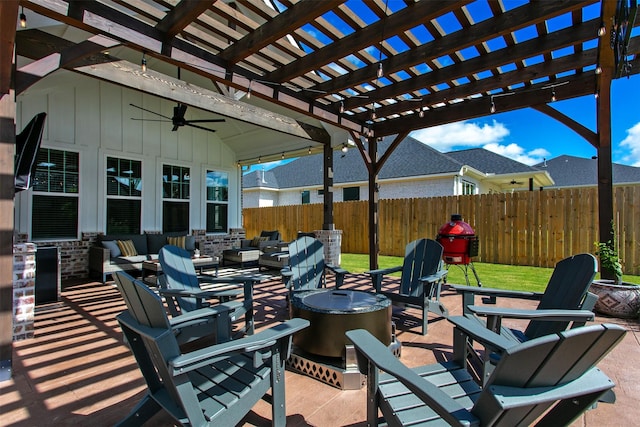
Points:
[(175, 194), (468, 188), (124, 196), (55, 195), (351, 193), (217, 199), (306, 197)]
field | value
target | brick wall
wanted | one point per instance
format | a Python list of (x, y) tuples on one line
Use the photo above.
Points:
[(24, 297)]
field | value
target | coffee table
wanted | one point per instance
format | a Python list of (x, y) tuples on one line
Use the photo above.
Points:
[(152, 268)]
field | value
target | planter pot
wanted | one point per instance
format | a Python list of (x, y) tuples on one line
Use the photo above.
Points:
[(616, 300)]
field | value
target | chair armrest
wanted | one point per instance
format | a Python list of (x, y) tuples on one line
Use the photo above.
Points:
[(286, 274), (436, 277), (496, 314), (377, 354), (188, 318), (469, 293), (339, 272), (376, 275), (200, 294), (478, 332), (266, 338)]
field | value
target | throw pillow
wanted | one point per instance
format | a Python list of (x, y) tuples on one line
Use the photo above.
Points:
[(178, 241), (127, 248), (255, 242), (113, 248)]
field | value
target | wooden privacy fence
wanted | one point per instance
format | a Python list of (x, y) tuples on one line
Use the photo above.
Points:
[(536, 228)]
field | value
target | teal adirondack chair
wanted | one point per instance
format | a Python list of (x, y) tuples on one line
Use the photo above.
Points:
[(547, 381), (420, 282), (181, 286), (307, 268), (213, 386), (211, 322), (566, 302)]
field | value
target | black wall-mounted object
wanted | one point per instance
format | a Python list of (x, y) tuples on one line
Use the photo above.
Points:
[(27, 146)]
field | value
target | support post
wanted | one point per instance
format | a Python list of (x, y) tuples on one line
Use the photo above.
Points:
[(605, 168), (328, 188), (374, 194)]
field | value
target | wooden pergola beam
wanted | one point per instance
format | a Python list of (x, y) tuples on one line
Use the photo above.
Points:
[(447, 45), (412, 15), (296, 15)]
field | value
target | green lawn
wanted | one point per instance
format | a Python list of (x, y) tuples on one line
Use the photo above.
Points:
[(491, 275)]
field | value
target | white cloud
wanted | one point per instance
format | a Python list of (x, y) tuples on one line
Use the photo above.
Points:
[(631, 146), (489, 136), (461, 135), (516, 152)]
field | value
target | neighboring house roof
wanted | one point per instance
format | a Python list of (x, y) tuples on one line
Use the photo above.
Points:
[(410, 158), (571, 171)]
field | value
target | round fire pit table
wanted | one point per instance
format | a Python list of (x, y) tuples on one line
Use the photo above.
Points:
[(332, 312)]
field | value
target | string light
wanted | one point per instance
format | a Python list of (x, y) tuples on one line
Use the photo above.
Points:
[(380, 70), (493, 106), (282, 155), (341, 107), (309, 152), (553, 95), (249, 90), (143, 63), (344, 148), (23, 19), (602, 30)]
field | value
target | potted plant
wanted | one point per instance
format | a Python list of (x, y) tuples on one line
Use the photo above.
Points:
[(615, 297)]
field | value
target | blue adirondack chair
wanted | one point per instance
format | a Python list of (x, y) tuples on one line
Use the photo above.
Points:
[(181, 286), (549, 380), (420, 282), (566, 302), (307, 269), (211, 322), (213, 386)]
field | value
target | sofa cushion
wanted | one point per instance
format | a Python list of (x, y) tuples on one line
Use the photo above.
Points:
[(190, 243), (127, 248), (178, 241), (129, 259), (155, 242), (139, 240), (270, 235), (113, 247)]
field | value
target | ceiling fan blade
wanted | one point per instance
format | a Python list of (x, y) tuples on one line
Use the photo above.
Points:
[(152, 112), (199, 127), (151, 120), (205, 121)]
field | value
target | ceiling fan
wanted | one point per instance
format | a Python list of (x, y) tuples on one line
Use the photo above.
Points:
[(514, 182), (178, 119)]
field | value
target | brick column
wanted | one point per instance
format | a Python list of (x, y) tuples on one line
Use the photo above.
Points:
[(24, 286), (332, 241)]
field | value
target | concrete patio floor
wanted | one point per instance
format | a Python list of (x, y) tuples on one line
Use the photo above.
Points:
[(77, 371)]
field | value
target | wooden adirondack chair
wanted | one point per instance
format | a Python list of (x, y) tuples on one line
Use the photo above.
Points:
[(212, 386), (549, 381), (421, 279), (204, 322), (307, 269), (181, 287), (565, 302)]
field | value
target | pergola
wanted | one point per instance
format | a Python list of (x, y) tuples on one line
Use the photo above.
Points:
[(370, 68)]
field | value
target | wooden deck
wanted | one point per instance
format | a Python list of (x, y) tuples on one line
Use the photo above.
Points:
[(76, 371)]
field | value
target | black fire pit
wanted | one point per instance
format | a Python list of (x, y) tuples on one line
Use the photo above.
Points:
[(322, 350)]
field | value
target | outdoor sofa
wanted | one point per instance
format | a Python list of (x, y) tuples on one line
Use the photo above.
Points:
[(106, 256)]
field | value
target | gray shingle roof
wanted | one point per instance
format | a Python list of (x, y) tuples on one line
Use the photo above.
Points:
[(410, 158), (569, 171)]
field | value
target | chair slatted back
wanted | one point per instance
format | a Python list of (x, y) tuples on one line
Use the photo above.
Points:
[(566, 289), (179, 274), (422, 258), (547, 361), (306, 261), (143, 304)]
